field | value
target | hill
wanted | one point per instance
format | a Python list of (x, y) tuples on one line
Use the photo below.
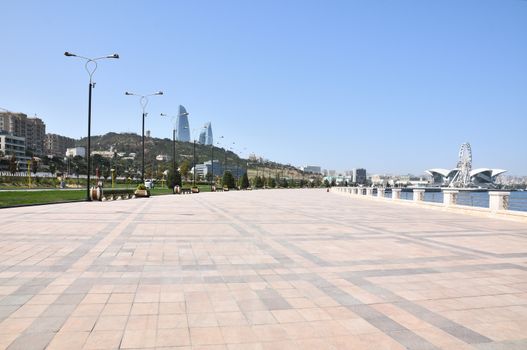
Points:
[(131, 143)]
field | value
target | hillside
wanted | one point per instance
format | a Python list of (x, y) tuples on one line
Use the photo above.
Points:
[(131, 143)]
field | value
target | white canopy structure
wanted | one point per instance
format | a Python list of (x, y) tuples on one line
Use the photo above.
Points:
[(463, 176)]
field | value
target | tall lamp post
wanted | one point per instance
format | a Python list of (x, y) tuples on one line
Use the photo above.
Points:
[(143, 100), (174, 121), (90, 66), (212, 182)]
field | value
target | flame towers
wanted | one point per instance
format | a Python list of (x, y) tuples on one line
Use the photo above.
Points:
[(182, 127), (205, 137)]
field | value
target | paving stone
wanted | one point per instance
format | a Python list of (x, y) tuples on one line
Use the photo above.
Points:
[(267, 269)]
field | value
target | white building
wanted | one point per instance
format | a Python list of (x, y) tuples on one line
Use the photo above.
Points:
[(76, 151), (162, 157), (104, 154), (10, 145)]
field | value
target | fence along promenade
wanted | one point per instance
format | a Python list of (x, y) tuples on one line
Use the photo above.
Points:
[(498, 201)]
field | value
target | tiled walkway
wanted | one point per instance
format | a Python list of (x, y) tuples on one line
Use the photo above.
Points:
[(276, 269)]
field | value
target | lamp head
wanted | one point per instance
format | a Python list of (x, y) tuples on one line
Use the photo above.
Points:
[(128, 93), (159, 93), (69, 54), (113, 56)]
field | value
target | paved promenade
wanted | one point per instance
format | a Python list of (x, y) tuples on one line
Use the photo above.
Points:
[(276, 269)]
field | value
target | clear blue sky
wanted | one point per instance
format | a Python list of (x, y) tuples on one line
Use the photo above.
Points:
[(394, 86)]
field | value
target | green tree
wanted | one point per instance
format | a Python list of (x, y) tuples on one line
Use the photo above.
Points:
[(177, 179), (184, 168), (326, 183), (258, 183), (13, 165), (244, 182), (171, 179), (52, 168), (284, 183), (271, 183), (228, 180), (34, 165)]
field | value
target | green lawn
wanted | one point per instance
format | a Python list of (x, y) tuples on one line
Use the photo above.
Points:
[(10, 198)]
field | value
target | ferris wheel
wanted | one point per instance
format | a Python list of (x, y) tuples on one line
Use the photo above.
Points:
[(464, 166)]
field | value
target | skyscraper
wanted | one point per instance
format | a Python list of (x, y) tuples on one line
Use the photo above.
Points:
[(183, 128), (35, 135), (209, 139), (205, 136)]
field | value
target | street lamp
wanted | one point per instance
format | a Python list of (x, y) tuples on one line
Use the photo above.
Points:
[(174, 130), (194, 160), (91, 67), (143, 100), (212, 182), (230, 148)]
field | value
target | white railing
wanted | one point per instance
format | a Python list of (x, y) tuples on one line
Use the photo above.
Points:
[(498, 200)]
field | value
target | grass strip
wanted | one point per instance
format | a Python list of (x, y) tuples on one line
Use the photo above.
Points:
[(13, 198)]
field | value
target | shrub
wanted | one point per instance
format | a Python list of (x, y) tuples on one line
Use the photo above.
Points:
[(228, 180), (244, 182)]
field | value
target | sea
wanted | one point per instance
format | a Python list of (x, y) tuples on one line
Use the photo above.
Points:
[(517, 199)]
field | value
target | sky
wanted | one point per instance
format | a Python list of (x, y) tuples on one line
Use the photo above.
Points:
[(393, 86)]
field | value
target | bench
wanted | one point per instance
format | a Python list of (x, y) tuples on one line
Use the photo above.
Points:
[(186, 190), (116, 193)]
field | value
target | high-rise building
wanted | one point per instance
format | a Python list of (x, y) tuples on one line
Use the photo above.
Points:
[(13, 123), (202, 136), (35, 135), (57, 145), (205, 137), (182, 126), (359, 176), (32, 129)]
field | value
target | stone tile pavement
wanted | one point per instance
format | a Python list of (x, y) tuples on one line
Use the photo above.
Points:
[(274, 269)]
